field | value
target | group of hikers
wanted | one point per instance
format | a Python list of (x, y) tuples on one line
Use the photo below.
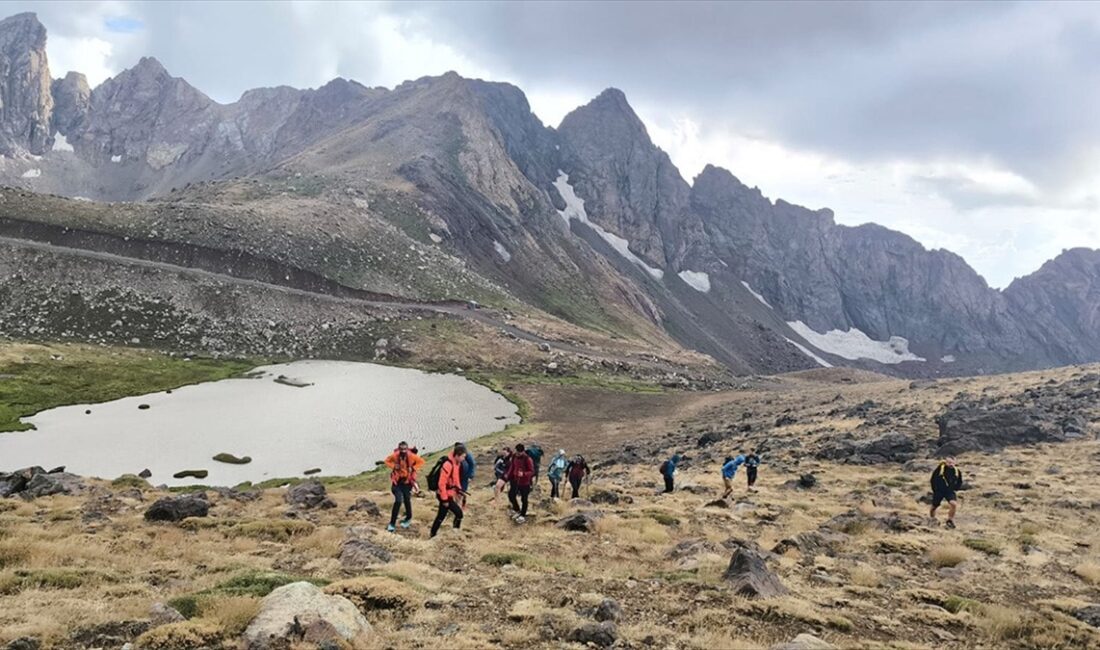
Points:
[(517, 470)]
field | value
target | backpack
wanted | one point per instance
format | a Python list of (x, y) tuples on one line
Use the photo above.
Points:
[(535, 452), (664, 468), (433, 476)]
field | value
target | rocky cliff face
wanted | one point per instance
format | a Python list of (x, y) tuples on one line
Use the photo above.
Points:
[(590, 221), (25, 100)]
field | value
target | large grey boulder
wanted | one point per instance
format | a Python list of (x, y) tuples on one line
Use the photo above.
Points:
[(973, 426), (582, 522), (357, 554), (890, 447), (46, 484), (301, 613), (748, 575), (308, 494), (804, 642)]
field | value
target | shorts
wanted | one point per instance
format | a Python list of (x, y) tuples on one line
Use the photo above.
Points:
[(940, 497), (728, 482)]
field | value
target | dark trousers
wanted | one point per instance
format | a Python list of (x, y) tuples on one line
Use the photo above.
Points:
[(668, 483), (450, 506), (575, 483), (402, 493), (523, 493), (555, 487), (750, 473)]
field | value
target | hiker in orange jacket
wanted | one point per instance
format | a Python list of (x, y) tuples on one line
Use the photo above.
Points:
[(403, 465), (449, 491)]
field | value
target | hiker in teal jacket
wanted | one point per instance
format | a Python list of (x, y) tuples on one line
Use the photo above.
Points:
[(668, 471), (555, 472), (729, 470)]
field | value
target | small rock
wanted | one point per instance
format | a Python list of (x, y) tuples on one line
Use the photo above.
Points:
[(145, 473), (357, 554), (232, 460), (609, 610), (143, 407), (307, 495), (24, 643), (365, 505), (584, 521), (804, 642), (161, 614), (807, 481), (601, 635), (312, 470)]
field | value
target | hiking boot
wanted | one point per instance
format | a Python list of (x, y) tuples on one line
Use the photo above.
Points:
[(950, 523), (521, 519), (405, 523), (391, 529)]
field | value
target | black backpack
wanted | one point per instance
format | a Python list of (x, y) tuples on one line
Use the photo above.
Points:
[(433, 476), (535, 452), (664, 468)]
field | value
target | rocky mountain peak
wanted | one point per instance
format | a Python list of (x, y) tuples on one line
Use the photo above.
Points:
[(72, 97), (25, 101)]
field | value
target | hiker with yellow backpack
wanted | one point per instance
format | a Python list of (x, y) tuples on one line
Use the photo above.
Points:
[(946, 480)]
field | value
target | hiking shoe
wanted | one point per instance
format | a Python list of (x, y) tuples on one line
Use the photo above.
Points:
[(520, 519), (391, 528), (405, 523), (950, 524)]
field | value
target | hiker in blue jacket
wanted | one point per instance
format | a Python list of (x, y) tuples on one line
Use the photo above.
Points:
[(469, 468), (729, 470), (668, 470)]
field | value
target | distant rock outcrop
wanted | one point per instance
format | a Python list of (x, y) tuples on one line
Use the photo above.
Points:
[(25, 100)]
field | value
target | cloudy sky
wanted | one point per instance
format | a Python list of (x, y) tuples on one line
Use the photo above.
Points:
[(971, 127)]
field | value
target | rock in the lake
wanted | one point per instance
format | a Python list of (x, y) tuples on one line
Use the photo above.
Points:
[(308, 494), (232, 460), (748, 575), (583, 521), (312, 470), (192, 473), (300, 612), (145, 473), (178, 508)]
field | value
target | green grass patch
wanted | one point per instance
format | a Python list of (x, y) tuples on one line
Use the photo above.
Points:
[(258, 583), (276, 530), (986, 546), (662, 518), (17, 581), (503, 559), (956, 604), (39, 377), (129, 481)]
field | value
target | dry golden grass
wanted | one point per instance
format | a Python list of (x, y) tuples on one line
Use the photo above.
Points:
[(949, 555), (229, 614), (864, 576), (1089, 572)]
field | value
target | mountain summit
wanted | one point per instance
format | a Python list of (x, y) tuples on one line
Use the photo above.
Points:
[(447, 188)]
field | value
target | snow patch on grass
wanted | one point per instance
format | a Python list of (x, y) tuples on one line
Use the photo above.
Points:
[(696, 279), (855, 344), (502, 251), (116, 159), (435, 238), (574, 209), (32, 173), (948, 358), (806, 351), (61, 144), (756, 295)]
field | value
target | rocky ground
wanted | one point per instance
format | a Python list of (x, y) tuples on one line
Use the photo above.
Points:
[(835, 548)]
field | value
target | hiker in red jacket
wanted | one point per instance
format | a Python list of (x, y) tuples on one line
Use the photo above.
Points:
[(449, 491), (520, 473)]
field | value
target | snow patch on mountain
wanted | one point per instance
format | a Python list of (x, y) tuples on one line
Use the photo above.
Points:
[(116, 158), (698, 280), (502, 251), (756, 295), (61, 144), (855, 344), (32, 173), (948, 358), (574, 209), (806, 351)]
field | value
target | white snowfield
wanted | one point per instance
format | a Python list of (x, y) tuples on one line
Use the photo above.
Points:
[(698, 280), (806, 351), (758, 296), (61, 144), (502, 251), (574, 209), (854, 344), (32, 173)]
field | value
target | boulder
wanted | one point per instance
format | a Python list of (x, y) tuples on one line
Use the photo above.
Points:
[(357, 554), (300, 612), (890, 447), (232, 460), (748, 575), (583, 521), (308, 495), (145, 473), (45, 484), (604, 496), (601, 635), (24, 643), (1089, 614), (974, 426), (812, 543), (161, 614), (709, 438), (178, 508)]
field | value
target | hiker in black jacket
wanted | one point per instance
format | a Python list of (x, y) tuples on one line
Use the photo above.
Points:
[(946, 480)]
